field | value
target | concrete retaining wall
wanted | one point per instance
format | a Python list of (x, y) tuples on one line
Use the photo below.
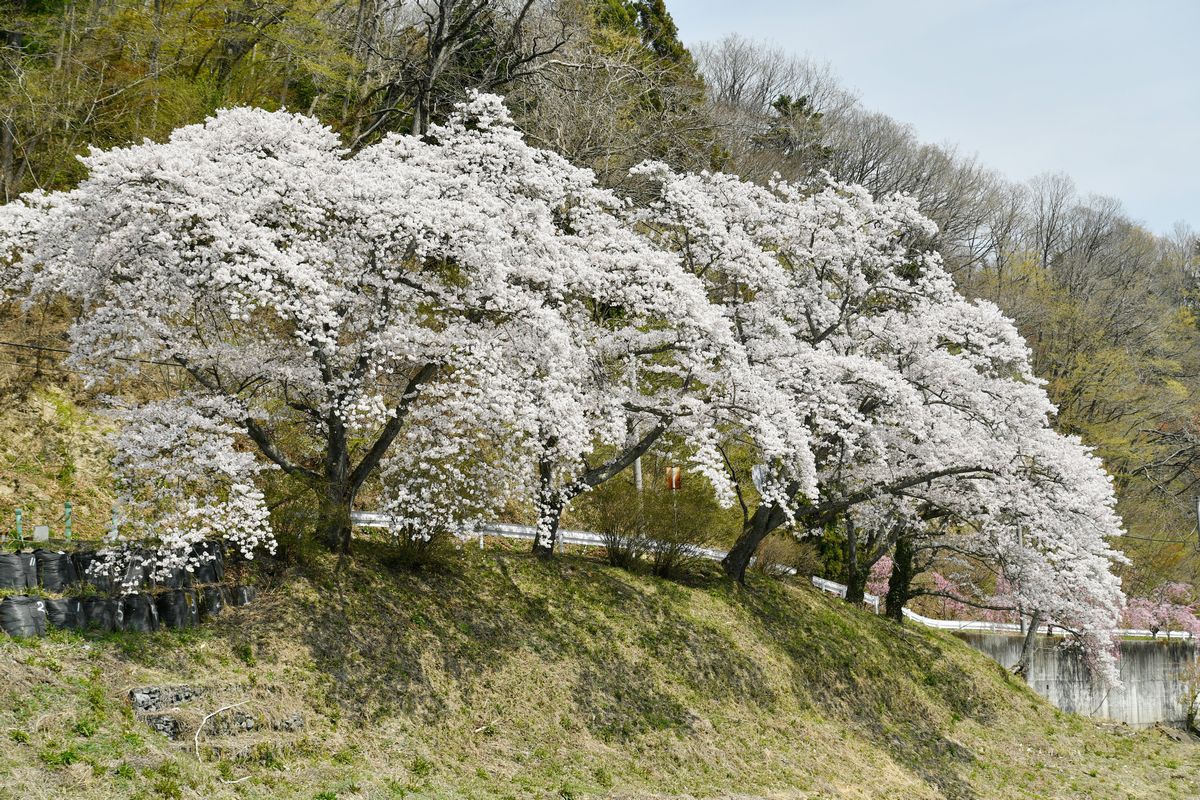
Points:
[(1152, 689)]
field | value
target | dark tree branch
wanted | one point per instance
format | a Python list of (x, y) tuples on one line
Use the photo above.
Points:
[(256, 432), (598, 475), (392, 429)]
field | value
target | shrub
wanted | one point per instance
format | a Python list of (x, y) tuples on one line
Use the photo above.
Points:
[(613, 511), (662, 529), (681, 532), (412, 549), (781, 554)]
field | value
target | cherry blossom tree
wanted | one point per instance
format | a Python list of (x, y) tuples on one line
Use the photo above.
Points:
[(815, 285), (442, 313), (470, 321), (918, 405), (180, 481), (881, 573), (881, 583)]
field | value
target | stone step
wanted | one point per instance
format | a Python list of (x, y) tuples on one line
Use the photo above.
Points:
[(177, 711)]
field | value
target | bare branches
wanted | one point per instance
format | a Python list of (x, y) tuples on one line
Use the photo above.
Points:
[(432, 58)]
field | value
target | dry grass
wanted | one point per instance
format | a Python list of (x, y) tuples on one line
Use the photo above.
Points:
[(493, 675), (52, 451)]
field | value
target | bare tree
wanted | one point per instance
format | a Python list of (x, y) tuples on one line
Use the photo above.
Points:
[(750, 75), (1051, 196), (746, 82), (428, 52), (611, 109)]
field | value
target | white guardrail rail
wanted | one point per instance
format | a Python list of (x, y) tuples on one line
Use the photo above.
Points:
[(372, 519)]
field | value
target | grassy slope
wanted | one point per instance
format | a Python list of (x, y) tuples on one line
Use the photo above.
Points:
[(497, 676), (51, 450)]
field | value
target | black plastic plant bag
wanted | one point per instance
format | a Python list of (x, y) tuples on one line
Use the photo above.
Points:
[(103, 581), (102, 613), (215, 600), (23, 616), (178, 578), (55, 570), (65, 613), (135, 572), (210, 556), (18, 571), (243, 595), (178, 608), (139, 613)]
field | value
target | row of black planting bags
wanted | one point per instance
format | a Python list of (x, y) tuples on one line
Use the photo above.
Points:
[(176, 608), (56, 571)]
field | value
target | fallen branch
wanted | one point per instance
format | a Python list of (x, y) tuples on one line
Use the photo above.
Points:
[(200, 727)]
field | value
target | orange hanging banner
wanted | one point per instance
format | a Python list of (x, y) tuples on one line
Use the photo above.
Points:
[(674, 478)]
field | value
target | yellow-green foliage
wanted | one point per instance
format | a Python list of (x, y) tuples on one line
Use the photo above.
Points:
[(52, 451), (113, 73), (1119, 360)]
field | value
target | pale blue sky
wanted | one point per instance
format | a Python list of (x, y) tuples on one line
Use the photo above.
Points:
[(1106, 91)]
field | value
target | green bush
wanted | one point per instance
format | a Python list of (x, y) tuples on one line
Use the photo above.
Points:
[(660, 529), (412, 549), (781, 553), (613, 511)]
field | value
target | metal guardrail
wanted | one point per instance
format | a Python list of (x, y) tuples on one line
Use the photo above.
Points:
[(833, 587), (506, 530), (1014, 628), (372, 519)]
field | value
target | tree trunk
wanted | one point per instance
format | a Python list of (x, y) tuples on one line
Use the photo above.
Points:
[(420, 122), (856, 585), (7, 139), (544, 545), (900, 583), (549, 509), (333, 526), (856, 572), (552, 501), (1029, 645), (339, 488), (737, 560)]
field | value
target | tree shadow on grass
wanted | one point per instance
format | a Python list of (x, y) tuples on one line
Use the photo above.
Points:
[(881, 680), (420, 643), (400, 641)]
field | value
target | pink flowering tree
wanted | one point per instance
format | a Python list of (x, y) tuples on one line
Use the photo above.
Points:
[(910, 575), (881, 575), (1170, 607)]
